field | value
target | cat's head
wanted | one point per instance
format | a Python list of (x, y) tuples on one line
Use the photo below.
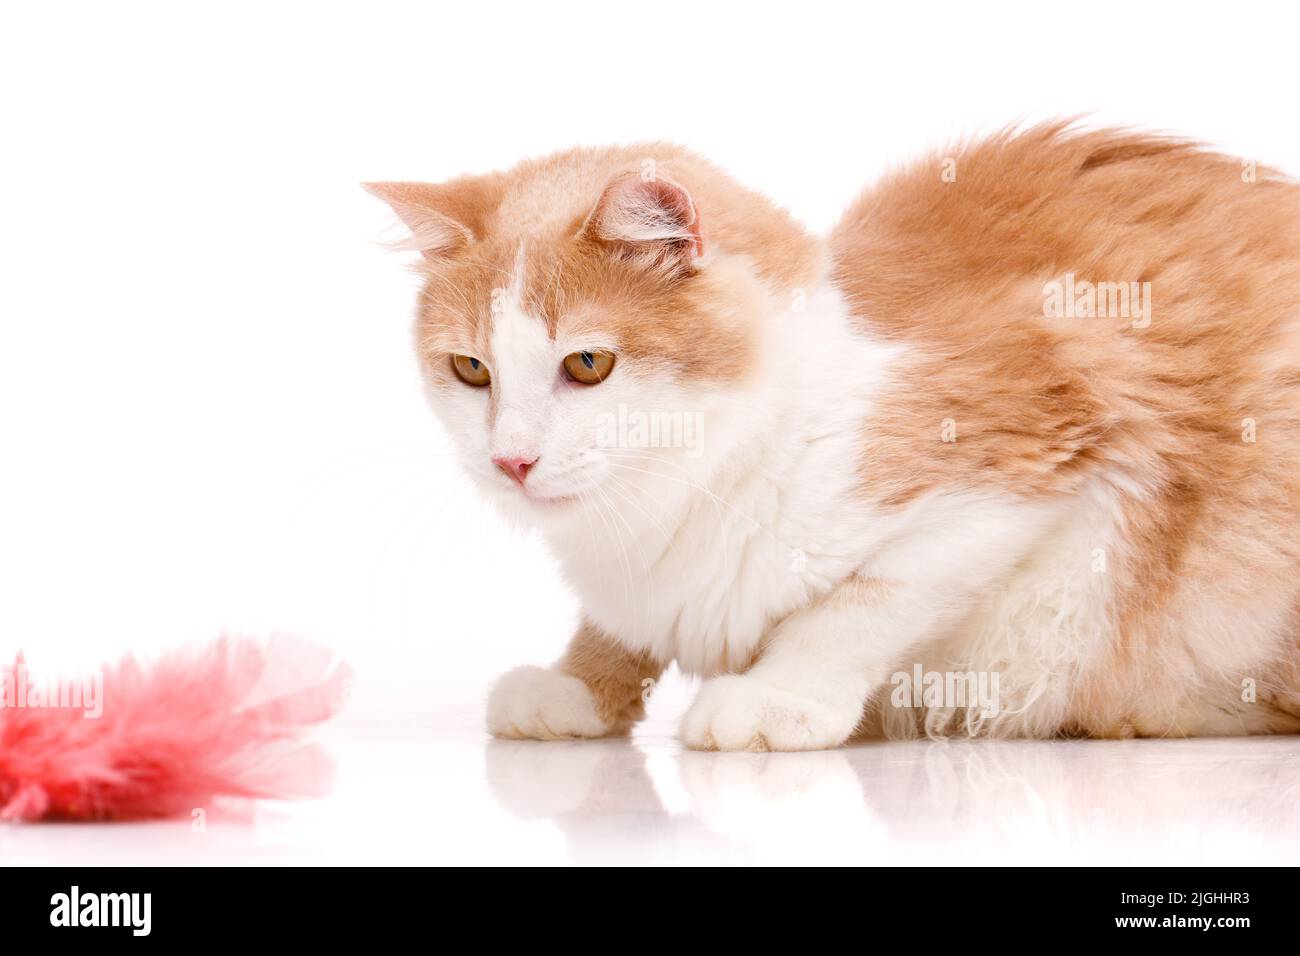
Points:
[(590, 323)]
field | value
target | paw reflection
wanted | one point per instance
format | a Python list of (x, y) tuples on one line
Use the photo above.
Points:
[(1142, 801)]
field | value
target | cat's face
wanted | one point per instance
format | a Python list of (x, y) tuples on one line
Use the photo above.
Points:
[(587, 352)]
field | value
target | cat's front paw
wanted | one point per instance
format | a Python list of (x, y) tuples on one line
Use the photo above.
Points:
[(746, 713), (534, 703)]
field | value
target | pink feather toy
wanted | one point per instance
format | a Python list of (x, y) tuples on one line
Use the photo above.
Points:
[(131, 742)]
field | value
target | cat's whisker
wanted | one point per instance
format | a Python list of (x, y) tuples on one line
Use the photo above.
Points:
[(629, 585), (615, 513), (318, 483), (629, 497), (757, 526), (614, 536), (722, 525), (429, 512), (630, 493), (696, 485), (584, 505)]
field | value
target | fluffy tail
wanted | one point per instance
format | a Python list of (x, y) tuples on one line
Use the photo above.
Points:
[(134, 742)]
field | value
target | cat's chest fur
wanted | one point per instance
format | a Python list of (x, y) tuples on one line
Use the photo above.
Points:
[(741, 558), (702, 579)]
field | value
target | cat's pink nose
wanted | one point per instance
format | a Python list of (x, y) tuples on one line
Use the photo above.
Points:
[(516, 466)]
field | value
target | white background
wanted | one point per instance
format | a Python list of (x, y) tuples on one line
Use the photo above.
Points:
[(210, 418)]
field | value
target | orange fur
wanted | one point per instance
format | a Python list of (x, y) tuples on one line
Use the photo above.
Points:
[(573, 281), (1041, 405), (616, 677)]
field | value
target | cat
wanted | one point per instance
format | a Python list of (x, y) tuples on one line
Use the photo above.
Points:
[(1028, 418)]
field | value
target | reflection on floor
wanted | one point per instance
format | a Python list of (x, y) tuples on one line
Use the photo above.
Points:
[(913, 803), (445, 793)]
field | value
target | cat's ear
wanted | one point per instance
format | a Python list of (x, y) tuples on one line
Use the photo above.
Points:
[(442, 218), (652, 216)]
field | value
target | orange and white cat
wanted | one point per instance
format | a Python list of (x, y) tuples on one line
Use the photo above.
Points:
[(1030, 413)]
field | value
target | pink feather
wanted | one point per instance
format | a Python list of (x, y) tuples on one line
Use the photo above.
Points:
[(225, 720)]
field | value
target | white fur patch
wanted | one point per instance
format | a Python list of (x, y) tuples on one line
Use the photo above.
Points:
[(524, 370), (1037, 629), (741, 713), (539, 704), (716, 548)]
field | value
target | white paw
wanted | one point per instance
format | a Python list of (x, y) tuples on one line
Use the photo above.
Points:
[(745, 713), (539, 704)]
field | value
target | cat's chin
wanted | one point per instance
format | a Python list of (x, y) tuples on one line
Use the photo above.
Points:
[(551, 502), (530, 504)]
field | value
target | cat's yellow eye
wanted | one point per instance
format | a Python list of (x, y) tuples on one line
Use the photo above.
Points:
[(471, 370), (589, 368)]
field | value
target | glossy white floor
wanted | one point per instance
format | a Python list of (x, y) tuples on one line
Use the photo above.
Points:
[(443, 792)]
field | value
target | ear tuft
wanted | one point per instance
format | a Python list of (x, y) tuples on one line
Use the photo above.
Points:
[(421, 207), (650, 216)]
